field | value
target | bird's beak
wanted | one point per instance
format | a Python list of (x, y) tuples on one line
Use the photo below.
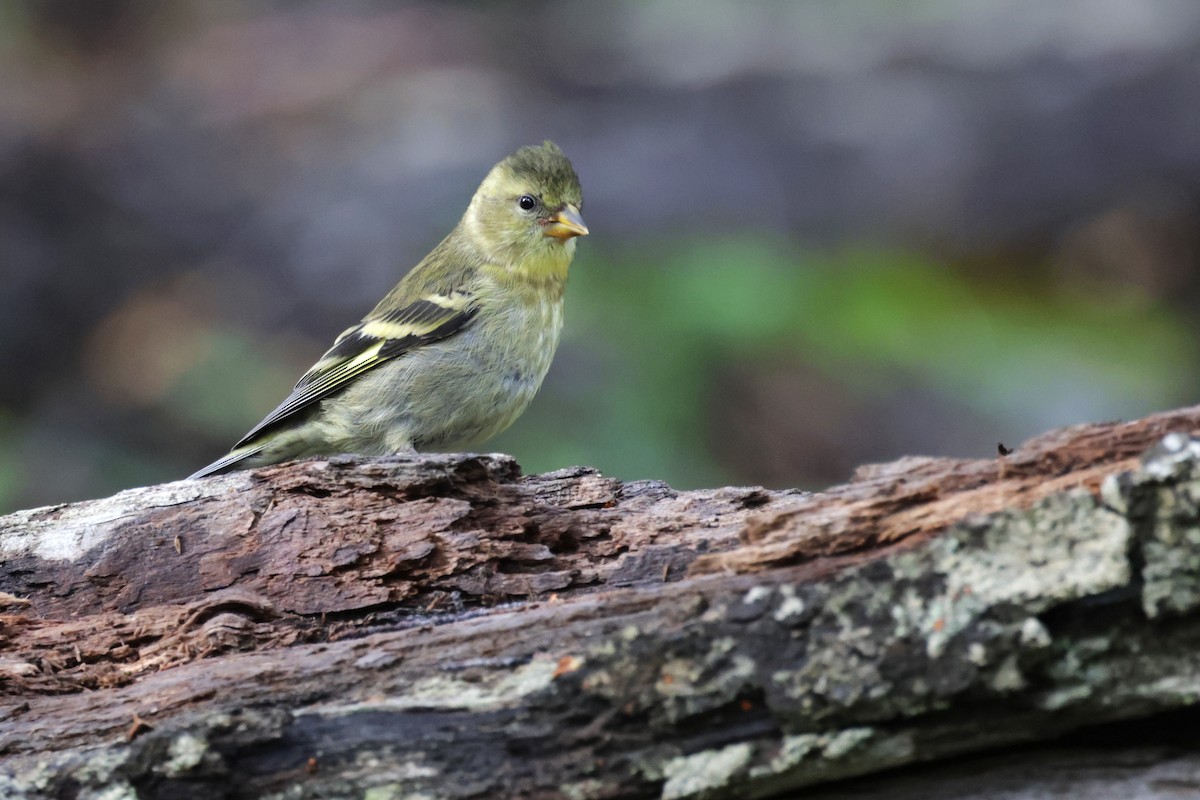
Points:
[(565, 224)]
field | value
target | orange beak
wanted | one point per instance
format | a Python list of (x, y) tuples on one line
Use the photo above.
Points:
[(565, 224)]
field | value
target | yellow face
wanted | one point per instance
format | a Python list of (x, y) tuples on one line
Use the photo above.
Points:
[(527, 210)]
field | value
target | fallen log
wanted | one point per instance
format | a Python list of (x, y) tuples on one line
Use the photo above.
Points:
[(441, 626)]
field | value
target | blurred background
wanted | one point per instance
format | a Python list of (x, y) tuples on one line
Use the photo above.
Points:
[(822, 233)]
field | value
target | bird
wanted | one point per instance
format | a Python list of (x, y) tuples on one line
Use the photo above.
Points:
[(455, 352)]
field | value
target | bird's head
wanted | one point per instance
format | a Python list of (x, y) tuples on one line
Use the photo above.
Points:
[(526, 213)]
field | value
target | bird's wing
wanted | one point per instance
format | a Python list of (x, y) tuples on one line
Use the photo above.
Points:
[(370, 343)]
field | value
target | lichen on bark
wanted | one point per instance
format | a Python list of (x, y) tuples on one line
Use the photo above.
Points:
[(443, 627)]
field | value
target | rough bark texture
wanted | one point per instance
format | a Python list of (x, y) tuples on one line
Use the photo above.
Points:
[(443, 627)]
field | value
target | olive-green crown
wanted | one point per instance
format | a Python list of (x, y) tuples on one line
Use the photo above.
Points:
[(547, 167)]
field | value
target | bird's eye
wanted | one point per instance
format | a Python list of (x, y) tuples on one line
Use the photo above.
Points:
[(527, 202)]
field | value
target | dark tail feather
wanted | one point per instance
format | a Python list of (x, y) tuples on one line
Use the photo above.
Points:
[(228, 462)]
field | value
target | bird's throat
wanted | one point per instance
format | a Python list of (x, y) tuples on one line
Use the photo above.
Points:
[(544, 269)]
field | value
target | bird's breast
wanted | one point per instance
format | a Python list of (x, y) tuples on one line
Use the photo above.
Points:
[(530, 332)]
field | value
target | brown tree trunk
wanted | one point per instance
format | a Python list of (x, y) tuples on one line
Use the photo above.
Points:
[(442, 627)]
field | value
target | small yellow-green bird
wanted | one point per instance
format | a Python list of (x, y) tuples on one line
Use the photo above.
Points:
[(455, 352)]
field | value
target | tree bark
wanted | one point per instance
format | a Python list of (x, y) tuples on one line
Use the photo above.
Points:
[(440, 626)]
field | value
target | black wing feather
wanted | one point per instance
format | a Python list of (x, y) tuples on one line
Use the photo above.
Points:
[(348, 358)]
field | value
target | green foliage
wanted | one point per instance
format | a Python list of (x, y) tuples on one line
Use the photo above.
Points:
[(648, 327)]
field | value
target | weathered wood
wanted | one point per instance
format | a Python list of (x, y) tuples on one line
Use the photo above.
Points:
[(443, 626), (1141, 762)]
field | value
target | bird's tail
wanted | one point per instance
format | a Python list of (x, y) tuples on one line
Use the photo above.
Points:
[(230, 460)]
